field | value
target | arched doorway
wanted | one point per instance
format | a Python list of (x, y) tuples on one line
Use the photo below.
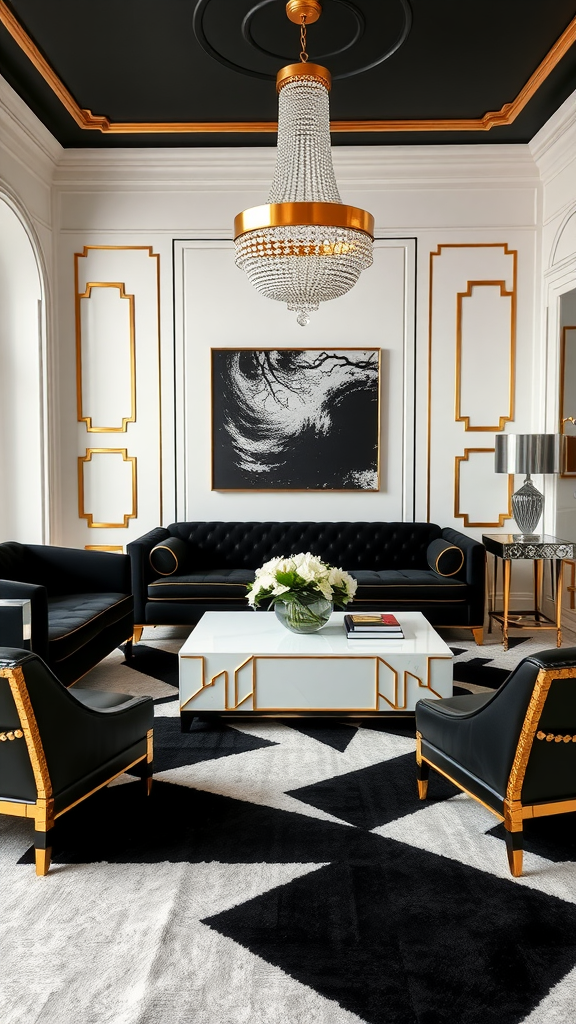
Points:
[(22, 464)]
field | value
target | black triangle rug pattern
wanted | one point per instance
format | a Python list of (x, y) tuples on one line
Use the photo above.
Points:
[(153, 661), (480, 672), (376, 926), (337, 736), (206, 741), (412, 937), (376, 795)]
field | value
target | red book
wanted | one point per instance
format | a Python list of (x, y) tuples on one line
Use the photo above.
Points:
[(379, 622)]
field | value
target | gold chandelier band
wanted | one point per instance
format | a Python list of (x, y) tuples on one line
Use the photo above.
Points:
[(304, 70), (298, 9), (333, 215)]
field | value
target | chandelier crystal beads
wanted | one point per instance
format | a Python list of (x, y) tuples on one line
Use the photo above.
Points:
[(305, 246)]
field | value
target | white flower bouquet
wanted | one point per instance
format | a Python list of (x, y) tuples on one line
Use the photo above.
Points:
[(302, 589)]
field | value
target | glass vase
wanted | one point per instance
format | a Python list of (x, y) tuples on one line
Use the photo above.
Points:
[(304, 616)]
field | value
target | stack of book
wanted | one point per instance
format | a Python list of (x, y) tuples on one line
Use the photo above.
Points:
[(384, 626)]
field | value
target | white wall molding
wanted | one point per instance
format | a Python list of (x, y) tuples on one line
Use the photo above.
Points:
[(554, 146), (365, 166), (25, 135)]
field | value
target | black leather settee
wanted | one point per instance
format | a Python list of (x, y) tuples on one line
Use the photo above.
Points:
[(186, 569), (81, 602)]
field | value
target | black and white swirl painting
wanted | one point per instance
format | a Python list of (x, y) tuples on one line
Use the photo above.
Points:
[(295, 419)]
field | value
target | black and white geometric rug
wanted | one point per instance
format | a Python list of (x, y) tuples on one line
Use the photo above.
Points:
[(285, 871)]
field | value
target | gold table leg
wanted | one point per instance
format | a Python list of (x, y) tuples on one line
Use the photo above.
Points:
[(494, 586), (559, 569), (538, 567), (506, 601), (572, 586)]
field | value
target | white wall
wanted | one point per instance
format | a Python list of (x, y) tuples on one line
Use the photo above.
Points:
[(487, 224), (28, 155), (473, 207), (21, 450), (554, 150)]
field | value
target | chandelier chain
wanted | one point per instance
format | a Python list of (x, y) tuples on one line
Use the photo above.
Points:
[(303, 54)]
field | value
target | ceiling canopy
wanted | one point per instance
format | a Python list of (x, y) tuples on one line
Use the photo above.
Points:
[(201, 72)]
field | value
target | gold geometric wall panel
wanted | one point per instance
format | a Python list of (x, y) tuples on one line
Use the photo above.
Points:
[(107, 484), (485, 336), (466, 472), (471, 373), (105, 357), (118, 391)]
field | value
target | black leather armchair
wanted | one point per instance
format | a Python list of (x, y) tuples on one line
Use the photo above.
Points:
[(82, 605), (513, 750), (59, 746)]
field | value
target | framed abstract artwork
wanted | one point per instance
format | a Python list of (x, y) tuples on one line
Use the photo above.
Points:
[(295, 419)]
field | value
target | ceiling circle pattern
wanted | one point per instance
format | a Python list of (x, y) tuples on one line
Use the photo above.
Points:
[(358, 32), (352, 26)]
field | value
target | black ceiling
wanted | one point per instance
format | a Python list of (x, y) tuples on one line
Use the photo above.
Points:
[(136, 61)]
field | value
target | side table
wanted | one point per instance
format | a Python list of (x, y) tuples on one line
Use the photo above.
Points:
[(510, 547)]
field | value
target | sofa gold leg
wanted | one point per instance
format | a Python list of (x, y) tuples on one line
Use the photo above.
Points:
[(478, 635), (138, 630)]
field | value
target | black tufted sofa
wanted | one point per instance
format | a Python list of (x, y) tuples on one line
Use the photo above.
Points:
[(389, 560)]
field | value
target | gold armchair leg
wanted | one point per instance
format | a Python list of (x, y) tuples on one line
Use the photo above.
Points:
[(149, 760), (42, 858), (515, 852), (478, 635), (422, 769), (43, 829)]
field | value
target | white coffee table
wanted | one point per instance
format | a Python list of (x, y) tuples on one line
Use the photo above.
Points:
[(246, 663)]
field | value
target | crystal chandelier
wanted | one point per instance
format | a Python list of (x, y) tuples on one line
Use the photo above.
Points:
[(304, 246)]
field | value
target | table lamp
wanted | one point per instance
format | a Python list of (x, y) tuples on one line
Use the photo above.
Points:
[(528, 453)]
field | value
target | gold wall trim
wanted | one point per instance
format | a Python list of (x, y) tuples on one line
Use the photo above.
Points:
[(503, 516), (507, 418), (82, 460), (86, 120), (155, 256), (87, 294), (433, 254)]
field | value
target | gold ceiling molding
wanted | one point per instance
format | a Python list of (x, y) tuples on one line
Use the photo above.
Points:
[(86, 120)]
